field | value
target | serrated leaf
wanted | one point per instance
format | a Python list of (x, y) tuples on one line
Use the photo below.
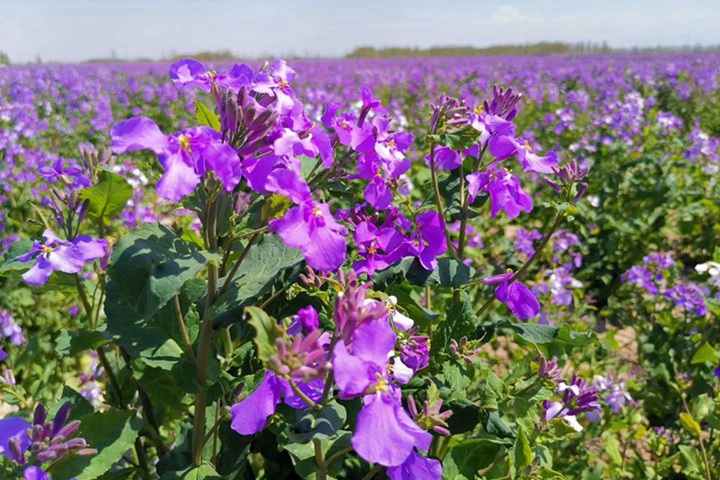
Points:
[(111, 434), (108, 198), (206, 117)]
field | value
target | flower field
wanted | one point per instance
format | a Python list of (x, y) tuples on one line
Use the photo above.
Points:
[(457, 268)]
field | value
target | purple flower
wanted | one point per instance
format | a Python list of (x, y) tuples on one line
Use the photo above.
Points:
[(445, 158), (250, 415), (429, 241), (379, 247), (61, 255), (385, 434), (506, 146), (516, 295), (276, 82), (416, 467), (35, 473), (362, 366), (504, 189), (191, 73), (14, 440), (311, 227), (187, 156)]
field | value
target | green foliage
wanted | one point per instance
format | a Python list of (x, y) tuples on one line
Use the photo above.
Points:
[(107, 199)]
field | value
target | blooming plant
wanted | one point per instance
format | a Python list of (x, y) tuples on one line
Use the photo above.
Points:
[(277, 286)]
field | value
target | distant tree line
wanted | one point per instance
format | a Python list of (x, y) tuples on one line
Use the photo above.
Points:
[(541, 48), (4, 59)]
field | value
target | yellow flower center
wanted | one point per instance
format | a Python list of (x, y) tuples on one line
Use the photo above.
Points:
[(283, 84), (372, 250), (211, 74), (184, 142), (391, 143), (527, 146), (479, 110), (46, 249), (316, 211), (382, 384)]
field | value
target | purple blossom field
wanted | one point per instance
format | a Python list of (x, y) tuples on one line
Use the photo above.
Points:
[(431, 268)]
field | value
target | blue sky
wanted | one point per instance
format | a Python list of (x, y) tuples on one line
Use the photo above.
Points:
[(75, 30)]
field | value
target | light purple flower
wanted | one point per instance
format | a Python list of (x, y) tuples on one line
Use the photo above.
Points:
[(445, 158), (187, 156), (311, 227), (60, 255), (506, 146)]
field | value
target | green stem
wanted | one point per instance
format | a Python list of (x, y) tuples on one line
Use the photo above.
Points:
[(523, 270), (236, 266), (438, 199), (183, 331), (303, 397), (372, 472), (337, 455), (320, 460), (205, 338)]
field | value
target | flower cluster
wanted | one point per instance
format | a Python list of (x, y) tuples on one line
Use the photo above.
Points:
[(655, 277), (9, 330), (577, 397), (373, 350), (29, 445)]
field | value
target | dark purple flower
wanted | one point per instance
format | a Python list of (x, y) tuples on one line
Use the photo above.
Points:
[(416, 467), (445, 158), (504, 189), (250, 415), (60, 255), (429, 241), (516, 295), (379, 247)]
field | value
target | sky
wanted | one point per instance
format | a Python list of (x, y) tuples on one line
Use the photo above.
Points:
[(77, 30)]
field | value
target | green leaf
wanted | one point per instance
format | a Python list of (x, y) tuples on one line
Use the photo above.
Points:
[(108, 198), (449, 273), (461, 319), (111, 434), (267, 331), (459, 140), (705, 353), (203, 472), (313, 425), (523, 455), (69, 343), (206, 117), (151, 264), (690, 424), (556, 338), (259, 270), (465, 460), (18, 248)]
